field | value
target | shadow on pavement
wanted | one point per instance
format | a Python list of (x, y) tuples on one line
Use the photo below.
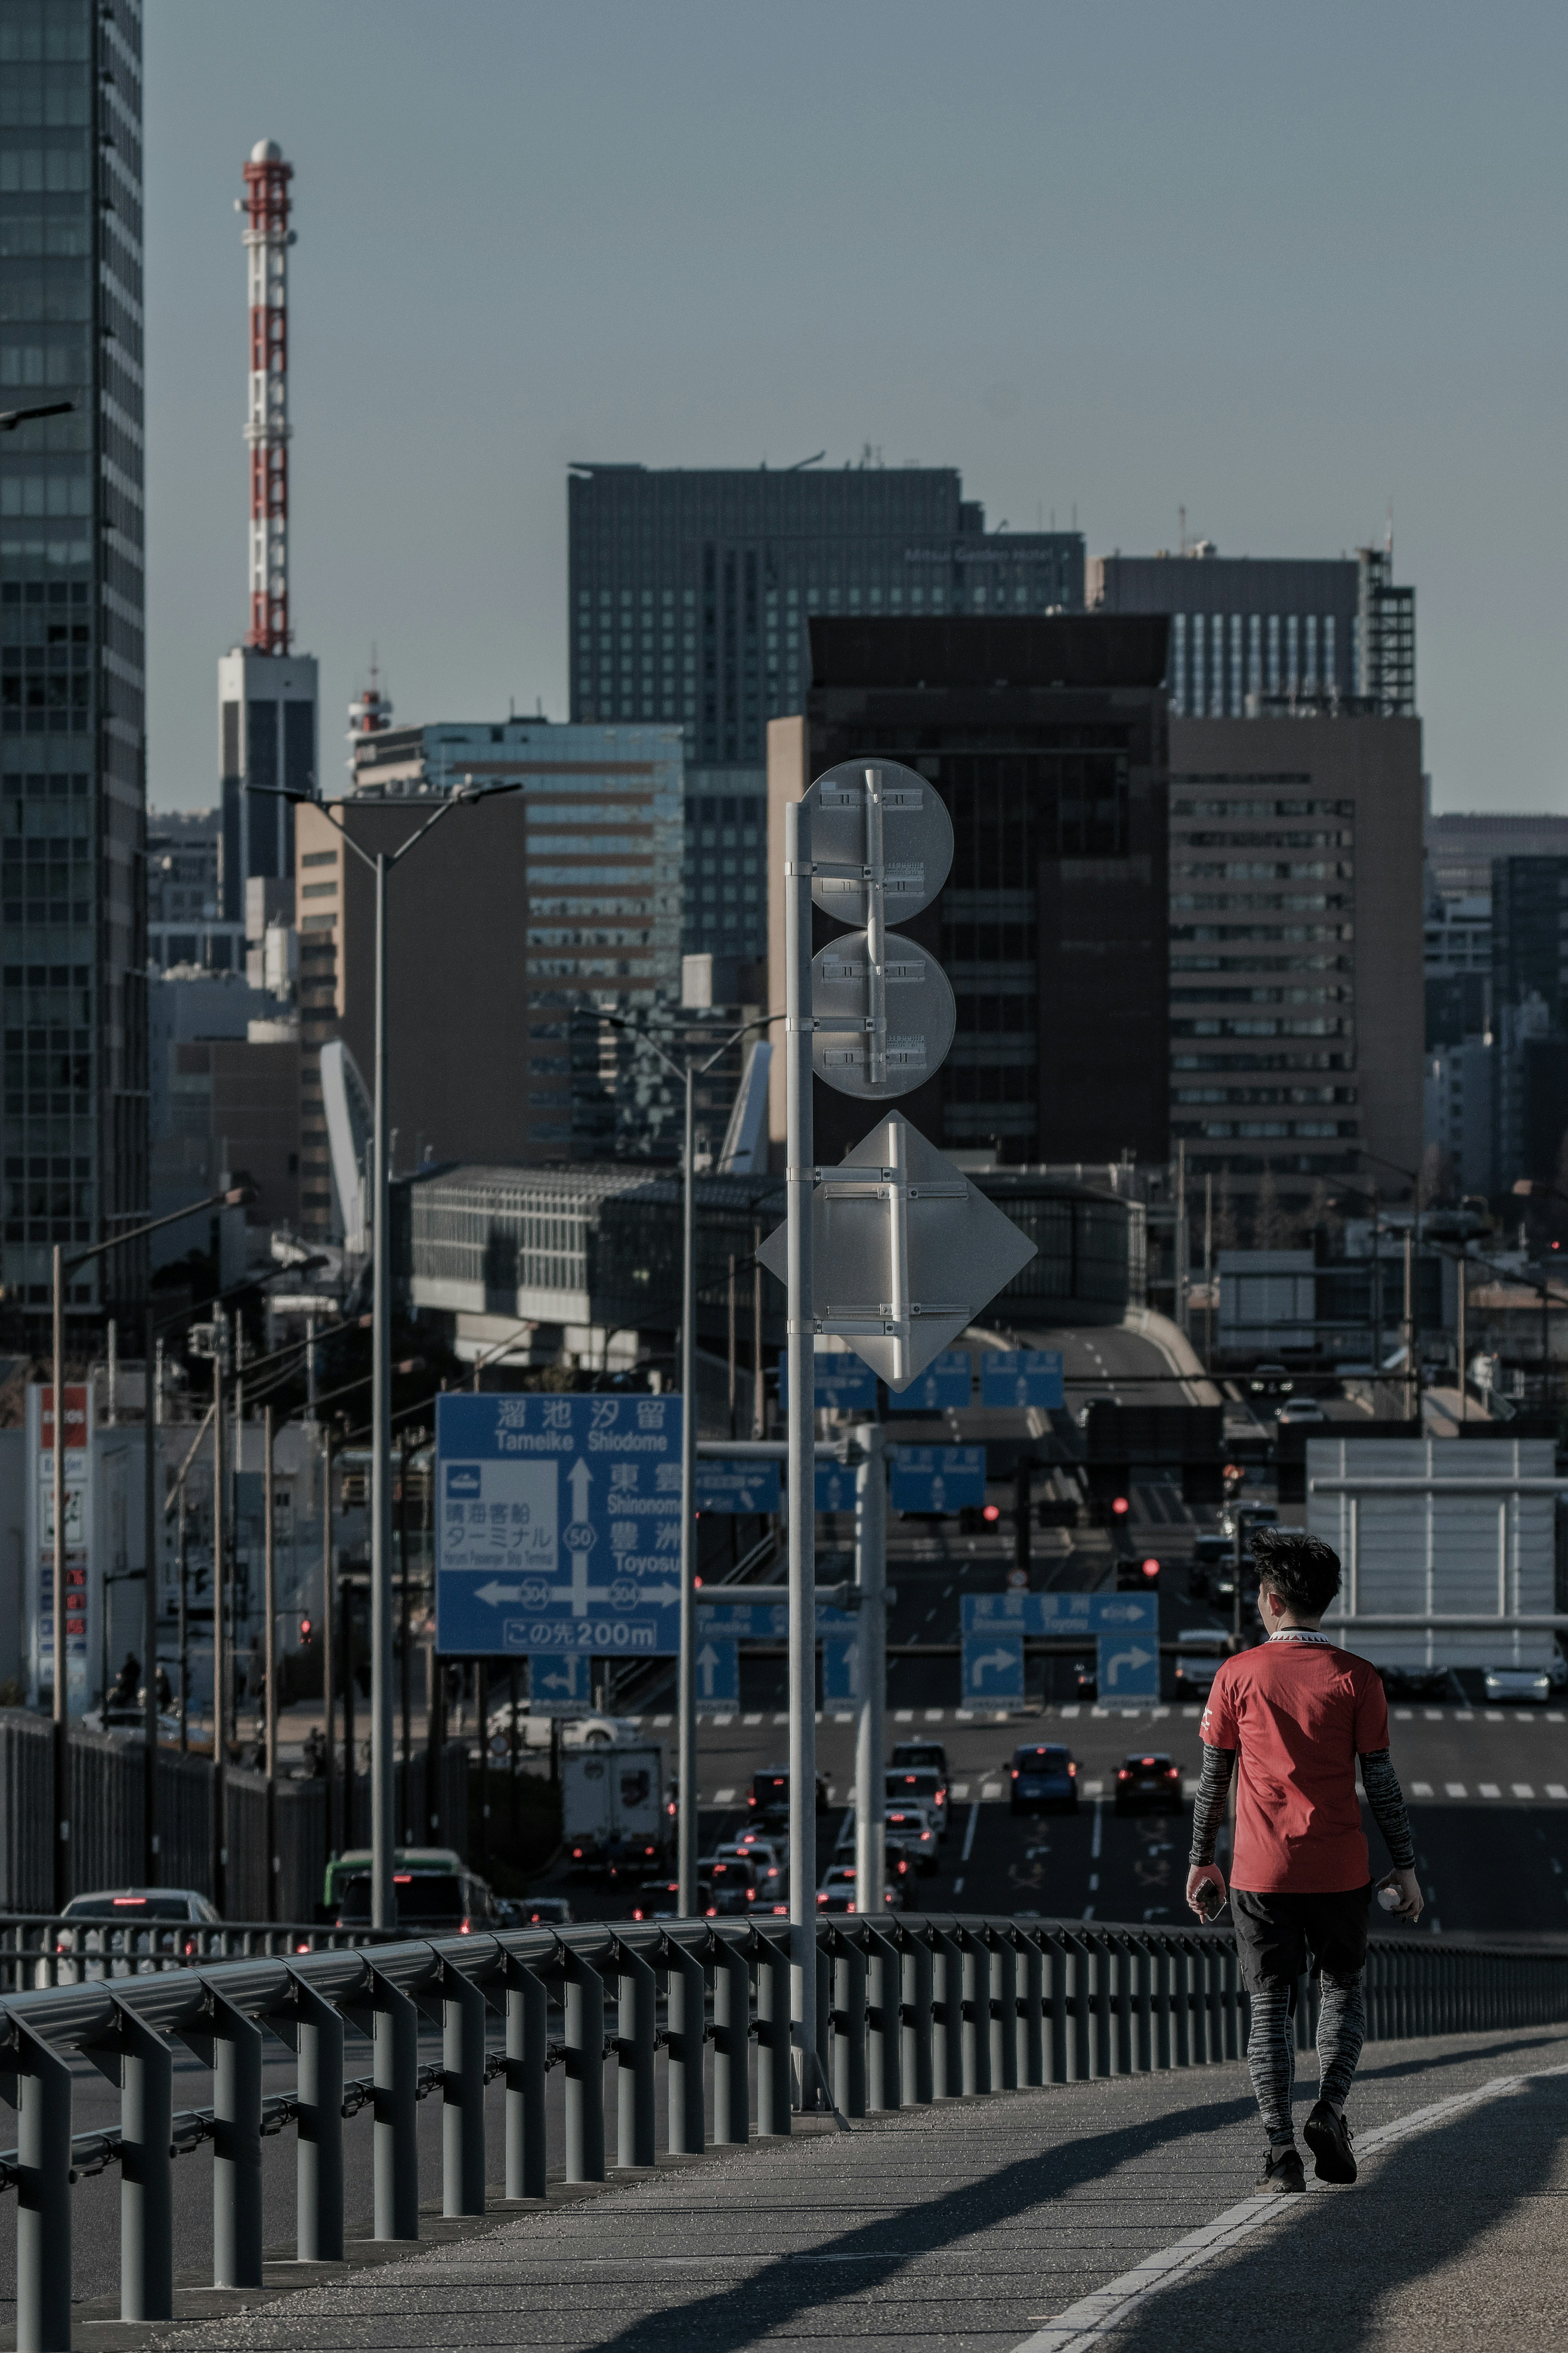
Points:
[(740, 2316)]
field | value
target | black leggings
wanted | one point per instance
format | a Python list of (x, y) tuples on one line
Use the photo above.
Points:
[(1271, 2047)]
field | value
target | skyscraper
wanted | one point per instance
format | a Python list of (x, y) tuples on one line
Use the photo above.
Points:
[(71, 682)]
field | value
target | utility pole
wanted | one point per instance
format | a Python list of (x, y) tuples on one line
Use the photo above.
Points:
[(800, 1419), (1183, 1243), (269, 1656), (151, 1536), (870, 1736)]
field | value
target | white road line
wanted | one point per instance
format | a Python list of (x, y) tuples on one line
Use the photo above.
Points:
[(1192, 1710), (1555, 1716), (837, 1717), (903, 1715), (1073, 1709), (961, 1788), (991, 1789), (1495, 1715), (1454, 1788), (1433, 1715), (1093, 2317), (750, 1719), (1522, 1789), (1093, 1789), (723, 1797), (1556, 1789), (934, 1715), (1099, 1838), (1464, 1715), (1421, 1788), (1403, 1716), (781, 1719), (969, 1833), (1489, 1789), (660, 1721)]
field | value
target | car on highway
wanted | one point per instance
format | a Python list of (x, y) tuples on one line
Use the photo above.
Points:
[(1301, 1409), (592, 1729), (1043, 1779), (921, 1785), (769, 1862), (1270, 1380), (769, 1797), (837, 1892), (1199, 1657), (1526, 1683), (732, 1881), (925, 1756), (1149, 1784), (115, 1932), (659, 1899), (909, 1839), (436, 1902), (1085, 1681), (536, 1911), (1252, 1515), (355, 1860)]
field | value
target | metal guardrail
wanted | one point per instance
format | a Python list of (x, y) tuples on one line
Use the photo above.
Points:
[(44, 1949), (910, 2009)]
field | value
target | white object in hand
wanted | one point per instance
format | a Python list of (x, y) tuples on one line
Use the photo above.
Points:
[(1390, 1898)]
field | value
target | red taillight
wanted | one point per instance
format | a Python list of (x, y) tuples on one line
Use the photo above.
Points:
[(1123, 1775), (1148, 1760), (635, 1913), (821, 1897), (712, 1912), (1073, 1769), (1014, 1772), (463, 1929)]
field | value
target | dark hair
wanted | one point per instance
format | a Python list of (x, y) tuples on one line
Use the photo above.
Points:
[(1302, 1570)]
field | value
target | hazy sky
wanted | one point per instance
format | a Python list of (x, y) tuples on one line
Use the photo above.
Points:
[(1278, 264)]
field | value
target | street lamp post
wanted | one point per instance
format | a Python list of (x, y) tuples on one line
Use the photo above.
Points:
[(689, 1071), (235, 1196), (382, 1778)]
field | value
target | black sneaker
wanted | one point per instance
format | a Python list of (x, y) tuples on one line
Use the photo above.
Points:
[(1329, 2138), (1282, 2168)]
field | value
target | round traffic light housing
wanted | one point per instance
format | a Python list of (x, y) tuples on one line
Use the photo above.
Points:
[(991, 1514), (1120, 1506), (1150, 1569)]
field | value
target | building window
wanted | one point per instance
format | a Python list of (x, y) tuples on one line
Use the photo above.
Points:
[(1198, 666), (1179, 664)]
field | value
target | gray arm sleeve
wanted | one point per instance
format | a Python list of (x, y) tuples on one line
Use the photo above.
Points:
[(1386, 1800), (1208, 1806)]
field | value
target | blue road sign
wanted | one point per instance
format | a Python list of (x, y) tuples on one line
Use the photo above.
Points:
[(1062, 1613), (558, 1524), (841, 1670), (1128, 1667), (937, 1478), (993, 1666), (1015, 1376), (944, 1387), (556, 1678), (736, 1486), (762, 1622), (835, 1487), (717, 1670), (843, 1382)]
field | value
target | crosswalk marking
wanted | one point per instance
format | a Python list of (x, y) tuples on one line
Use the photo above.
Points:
[(1454, 1789)]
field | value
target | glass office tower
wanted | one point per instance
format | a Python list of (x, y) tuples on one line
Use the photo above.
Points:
[(72, 924)]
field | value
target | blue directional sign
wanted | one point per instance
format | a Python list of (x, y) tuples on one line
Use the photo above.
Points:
[(841, 1670), (843, 1382), (1015, 1376), (560, 1679), (937, 1478), (558, 1524), (944, 1387), (993, 1667), (736, 1486), (1128, 1667), (717, 1670), (1084, 1614), (762, 1622), (835, 1487)]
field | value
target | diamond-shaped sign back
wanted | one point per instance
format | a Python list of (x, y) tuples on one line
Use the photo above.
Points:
[(905, 1251)]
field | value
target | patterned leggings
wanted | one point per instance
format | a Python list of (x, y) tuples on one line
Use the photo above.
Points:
[(1271, 2047)]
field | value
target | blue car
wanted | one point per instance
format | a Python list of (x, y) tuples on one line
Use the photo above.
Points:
[(1044, 1779)]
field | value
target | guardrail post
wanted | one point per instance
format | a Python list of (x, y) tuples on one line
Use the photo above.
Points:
[(775, 2071), (1117, 1979), (527, 2036), (584, 2003), (318, 2167), (731, 2042), (1230, 2000), (884, 2027), (848, 2013), (37, 2082), (230, 2044), (918, 2008), (947, 2010), (1003, 2012), (1031, 2035), (146, 2195), (975, 2037), (823, 2015), (637, 2052), (395, 2044), (463, 2094), (685, 1992)]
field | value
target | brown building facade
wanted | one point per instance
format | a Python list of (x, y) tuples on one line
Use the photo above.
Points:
[(1046, 739)]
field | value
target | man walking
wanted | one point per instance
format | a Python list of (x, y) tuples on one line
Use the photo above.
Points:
[(1297, 1712)]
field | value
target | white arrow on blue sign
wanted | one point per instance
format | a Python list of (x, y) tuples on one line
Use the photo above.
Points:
[(736, 1486), (993, 1666), (558, 1524), (1127, 1668), (843, 1383), (718, 1671), (836, 1488), (560, 1679), (1019, 1376), (937, 1478), (1061, 1612), (841, 1670), (762, 1622), (945, 1387)]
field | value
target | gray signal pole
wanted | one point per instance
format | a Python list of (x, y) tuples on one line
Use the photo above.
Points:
[(870, 1736), (800, 1482)]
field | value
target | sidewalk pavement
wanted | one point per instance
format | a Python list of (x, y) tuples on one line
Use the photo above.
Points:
[(983, 2226)]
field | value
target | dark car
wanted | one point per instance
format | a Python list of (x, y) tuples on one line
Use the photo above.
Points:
[(769, 1798), (1043, 1779), (659, 1899), (439, 1903), (730, 1876), (539, 1912), (927, 1754), (1149, 1785)]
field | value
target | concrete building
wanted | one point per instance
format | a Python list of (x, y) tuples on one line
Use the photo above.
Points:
[(1046, 739), (267, 739), (1461, 1113), (1296, 985), (1457, 958), (512, 931), (72, 792), (1462, 847), (1530, 1017), (1251, 635)]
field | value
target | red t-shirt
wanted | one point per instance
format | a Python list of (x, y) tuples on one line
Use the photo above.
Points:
[(1299, 1713)]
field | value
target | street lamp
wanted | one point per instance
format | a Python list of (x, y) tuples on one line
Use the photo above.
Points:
[(11, 418), (235, 1198), (689, 1071), (383, 1828)]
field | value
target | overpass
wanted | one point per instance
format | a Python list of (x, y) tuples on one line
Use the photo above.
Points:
[(1029, 2134)]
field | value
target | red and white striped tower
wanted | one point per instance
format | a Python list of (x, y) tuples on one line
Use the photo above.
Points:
[(268, 238)]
